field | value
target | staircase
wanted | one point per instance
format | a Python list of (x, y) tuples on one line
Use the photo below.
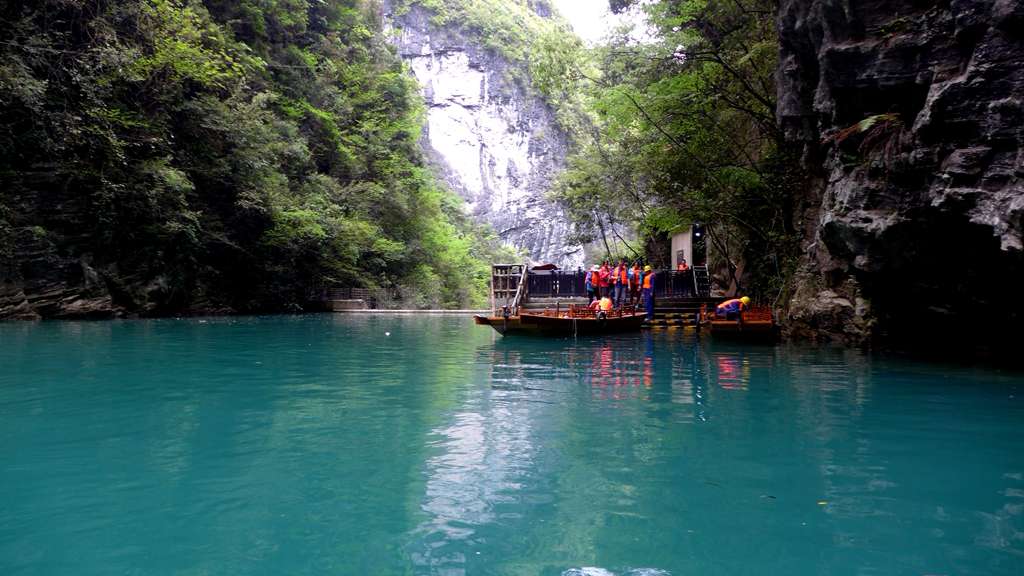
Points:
[(679, 312), (508, 287), (701, 282)]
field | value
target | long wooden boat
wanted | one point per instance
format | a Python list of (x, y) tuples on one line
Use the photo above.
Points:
[(576, 321), (757, 323)]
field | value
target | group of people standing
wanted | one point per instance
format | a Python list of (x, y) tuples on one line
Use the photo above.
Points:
[(621, 286)]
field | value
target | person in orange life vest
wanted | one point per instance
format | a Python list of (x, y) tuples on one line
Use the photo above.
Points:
[(686, 280), (636, 277), (602, 279), (621, 284), (732, 309), (604, 304), (613, 282), (648, 289)]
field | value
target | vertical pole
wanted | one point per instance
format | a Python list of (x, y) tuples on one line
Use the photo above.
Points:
[(491, 284)]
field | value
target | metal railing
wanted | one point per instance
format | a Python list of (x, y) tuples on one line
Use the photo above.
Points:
[(572, 284), (374, 299), (556, 284)]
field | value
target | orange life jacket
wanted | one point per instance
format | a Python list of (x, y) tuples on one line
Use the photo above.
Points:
[(606, 304), (648, 280), (624, 275)]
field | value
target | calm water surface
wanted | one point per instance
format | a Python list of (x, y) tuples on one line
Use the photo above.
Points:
[(322, 445)]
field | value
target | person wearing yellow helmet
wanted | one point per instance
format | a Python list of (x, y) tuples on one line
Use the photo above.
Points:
[(733, 309), (647, 286)]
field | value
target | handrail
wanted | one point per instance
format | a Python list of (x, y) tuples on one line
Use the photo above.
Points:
[(756, 313), (581, 311), (570, 284)]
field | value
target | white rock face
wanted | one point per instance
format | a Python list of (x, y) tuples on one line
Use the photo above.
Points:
[(494, 144)]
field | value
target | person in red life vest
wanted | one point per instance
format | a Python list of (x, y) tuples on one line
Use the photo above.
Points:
[(636, 278), (733, 309), (682, 266), (648, 289), (602, 279)]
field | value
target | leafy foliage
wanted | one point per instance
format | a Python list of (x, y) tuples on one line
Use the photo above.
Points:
[(242, 153), (878, 133), (540, 49), (682, 129)]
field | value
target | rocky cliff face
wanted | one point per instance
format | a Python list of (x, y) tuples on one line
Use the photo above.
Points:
[(911, 119), (492, 140)]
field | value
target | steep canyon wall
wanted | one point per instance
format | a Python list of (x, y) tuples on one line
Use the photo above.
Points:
[(913, 219), (492, 140)]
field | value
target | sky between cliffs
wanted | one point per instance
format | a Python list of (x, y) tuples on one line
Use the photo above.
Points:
[(592, 20)]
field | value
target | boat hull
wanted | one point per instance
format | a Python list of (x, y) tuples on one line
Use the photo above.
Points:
[(544, 325), (747, 330)]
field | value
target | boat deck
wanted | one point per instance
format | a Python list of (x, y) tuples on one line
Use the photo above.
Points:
[(572, 321), (757, 323)]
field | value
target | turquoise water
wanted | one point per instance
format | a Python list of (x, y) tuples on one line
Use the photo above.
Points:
[(323, 445)]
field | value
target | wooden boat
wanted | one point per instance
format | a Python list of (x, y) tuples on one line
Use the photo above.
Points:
[(576, 321), (756, 323)]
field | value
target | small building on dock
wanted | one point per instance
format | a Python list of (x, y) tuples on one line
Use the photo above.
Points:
[(689, 244)]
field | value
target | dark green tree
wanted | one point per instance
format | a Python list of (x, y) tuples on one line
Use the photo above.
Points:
[(239, 155)]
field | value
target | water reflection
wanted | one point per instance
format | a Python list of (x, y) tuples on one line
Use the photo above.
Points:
[(322, 445), (617, 373), (479, 464), (732, 371)]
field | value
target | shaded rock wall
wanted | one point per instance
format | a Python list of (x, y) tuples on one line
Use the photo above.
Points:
[(493, 141), (913, 226), (52, 268), (39, 277)]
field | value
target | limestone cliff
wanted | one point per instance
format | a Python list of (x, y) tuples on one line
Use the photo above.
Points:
[(910, 116), (488, 135)]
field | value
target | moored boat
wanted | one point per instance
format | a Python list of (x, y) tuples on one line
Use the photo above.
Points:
[(576, 321), (756, 323)]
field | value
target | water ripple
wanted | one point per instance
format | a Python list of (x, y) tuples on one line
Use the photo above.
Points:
[(414, 445)]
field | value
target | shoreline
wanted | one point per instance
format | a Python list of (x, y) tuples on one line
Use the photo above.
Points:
[(432, 312), (951, 354), (222, 314)]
